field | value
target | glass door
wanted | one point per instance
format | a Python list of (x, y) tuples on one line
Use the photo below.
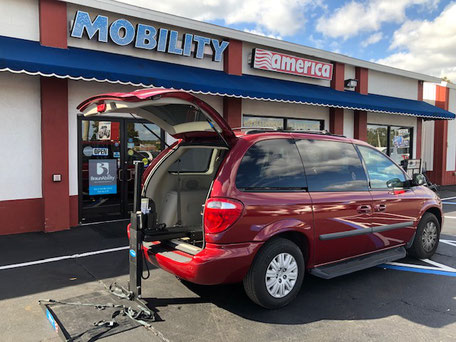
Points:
[(108, 149), (99, 170)]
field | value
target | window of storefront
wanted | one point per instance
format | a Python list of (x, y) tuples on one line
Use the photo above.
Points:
[(394, 141), (282, 123)]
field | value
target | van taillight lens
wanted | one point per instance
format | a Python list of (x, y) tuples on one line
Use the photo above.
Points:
[(221, 213)]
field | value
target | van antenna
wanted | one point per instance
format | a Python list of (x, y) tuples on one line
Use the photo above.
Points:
[(151, 131)]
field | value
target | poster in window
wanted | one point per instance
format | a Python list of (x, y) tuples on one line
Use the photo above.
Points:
[(104, 130), (102, 176)]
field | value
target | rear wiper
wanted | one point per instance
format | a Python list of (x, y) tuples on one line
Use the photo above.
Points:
[(218, 133)]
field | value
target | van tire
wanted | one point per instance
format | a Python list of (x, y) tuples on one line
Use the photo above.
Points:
[(255, 280), (428, 231)]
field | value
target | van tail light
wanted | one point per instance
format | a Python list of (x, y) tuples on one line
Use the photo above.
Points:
[(221, 213), (128, 231)]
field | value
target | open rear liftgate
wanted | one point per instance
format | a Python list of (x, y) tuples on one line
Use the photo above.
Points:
[(83, 318)]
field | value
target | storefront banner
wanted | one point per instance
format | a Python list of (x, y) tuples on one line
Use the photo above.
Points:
[(102, 176), (122, 32), (279, 62)]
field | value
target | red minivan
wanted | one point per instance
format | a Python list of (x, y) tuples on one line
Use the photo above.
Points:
[(264, 206)]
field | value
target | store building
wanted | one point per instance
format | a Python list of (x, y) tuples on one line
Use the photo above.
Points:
[(54, 54)]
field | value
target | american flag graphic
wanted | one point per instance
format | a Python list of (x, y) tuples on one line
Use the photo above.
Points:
[(263, 59)]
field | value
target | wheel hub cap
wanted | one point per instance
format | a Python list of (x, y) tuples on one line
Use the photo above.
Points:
[(429, 237), (281, 275)]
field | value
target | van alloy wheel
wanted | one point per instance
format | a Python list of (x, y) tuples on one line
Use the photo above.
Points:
[(429, 237), (281, 275)]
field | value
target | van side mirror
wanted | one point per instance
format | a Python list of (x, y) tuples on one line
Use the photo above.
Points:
[(395, 183), (418, 179)]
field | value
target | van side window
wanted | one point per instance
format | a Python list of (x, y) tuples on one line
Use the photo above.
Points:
[(193, 160), (272, 164), (380, 168), (332, 166)]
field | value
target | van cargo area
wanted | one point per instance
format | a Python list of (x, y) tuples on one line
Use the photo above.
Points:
[(177, 189)]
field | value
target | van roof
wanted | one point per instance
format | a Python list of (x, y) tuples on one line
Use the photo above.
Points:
[(253, 133)]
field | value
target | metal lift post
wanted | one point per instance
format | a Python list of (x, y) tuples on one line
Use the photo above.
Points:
[(136, 236)]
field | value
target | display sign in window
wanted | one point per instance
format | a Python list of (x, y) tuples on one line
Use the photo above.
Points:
[(102, 176)]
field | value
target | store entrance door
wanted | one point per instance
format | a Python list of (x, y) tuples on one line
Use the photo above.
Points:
[(108, 148)]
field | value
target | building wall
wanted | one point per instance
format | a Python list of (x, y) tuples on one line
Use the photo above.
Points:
[(451, 137), (428, 145), (20, 137), (247, 49), (428, 129), (20, 19), (392, 85), (130, 50), (349, 72), (291, 110), (399, 120), (349, 122)]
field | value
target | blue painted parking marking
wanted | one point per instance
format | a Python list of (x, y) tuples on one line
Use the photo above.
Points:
[(419, 270), (433, 267)]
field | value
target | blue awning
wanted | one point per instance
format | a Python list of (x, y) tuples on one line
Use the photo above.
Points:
[(18, 55)]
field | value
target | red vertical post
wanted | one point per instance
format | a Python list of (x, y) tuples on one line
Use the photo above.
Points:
[(54, 122), (360, 116), (54, 153), (232, 64), (420, 91), (360, 125), (53, 23), (336, 115), (440, 137)]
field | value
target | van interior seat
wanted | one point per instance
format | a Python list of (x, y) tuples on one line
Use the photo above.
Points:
[(191, 206)]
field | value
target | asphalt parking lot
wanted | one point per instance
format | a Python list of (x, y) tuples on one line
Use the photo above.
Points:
[(409, 301)]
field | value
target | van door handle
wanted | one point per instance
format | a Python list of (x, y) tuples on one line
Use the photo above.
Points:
[(364, 209), (380, 207)]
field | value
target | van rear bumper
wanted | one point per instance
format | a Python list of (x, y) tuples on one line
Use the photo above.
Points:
[(215, 264)]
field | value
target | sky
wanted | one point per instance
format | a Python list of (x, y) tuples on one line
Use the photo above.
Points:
[(416, 35)]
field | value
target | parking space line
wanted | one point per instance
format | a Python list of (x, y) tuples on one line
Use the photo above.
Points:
[(450, 217), (65, 257), (443, 202), (449, 242), (447, 198)]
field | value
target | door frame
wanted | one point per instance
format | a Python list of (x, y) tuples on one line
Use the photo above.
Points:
[(123, 188)]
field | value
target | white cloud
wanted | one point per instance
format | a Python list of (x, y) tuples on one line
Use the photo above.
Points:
[(355, 17), (372, 39), (426, 46), (276, 17)]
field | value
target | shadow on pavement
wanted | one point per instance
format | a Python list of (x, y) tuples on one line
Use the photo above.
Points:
[(428, 300), (16, 249)]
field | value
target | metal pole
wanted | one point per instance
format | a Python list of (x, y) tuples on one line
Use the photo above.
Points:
[(136, 254)]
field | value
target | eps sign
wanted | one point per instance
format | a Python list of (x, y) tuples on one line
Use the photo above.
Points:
[(122, 32)]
